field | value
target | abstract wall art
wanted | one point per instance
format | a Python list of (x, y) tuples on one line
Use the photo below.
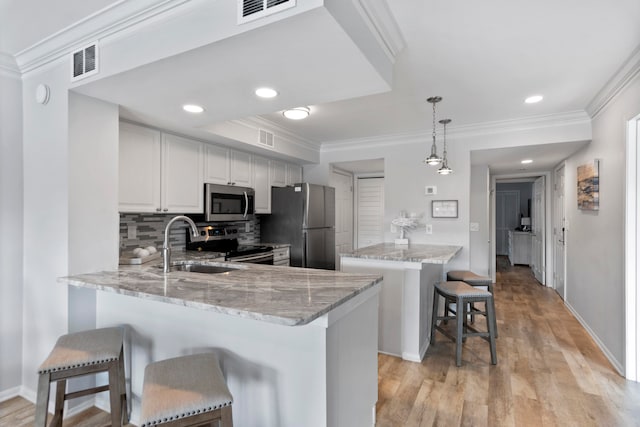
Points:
[(589, 186)]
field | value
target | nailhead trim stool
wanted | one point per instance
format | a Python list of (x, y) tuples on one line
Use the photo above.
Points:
[(472, 279), (463, 294), (185, 391), (78, 354)]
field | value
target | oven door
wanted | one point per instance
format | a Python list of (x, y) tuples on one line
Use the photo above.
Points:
[(228, 203), (261, 258)]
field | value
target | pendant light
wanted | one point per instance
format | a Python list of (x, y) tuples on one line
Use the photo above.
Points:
[(445, 169), (433, 159)]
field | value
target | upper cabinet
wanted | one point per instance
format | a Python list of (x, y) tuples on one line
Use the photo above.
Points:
[(262, 185), (227, 167), (294, 174), (159, 172), (278, 173)]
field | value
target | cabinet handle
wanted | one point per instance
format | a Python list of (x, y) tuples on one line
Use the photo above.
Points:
[(158, 209), (166, 209)]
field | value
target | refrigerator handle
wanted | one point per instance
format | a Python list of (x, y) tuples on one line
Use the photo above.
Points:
[(306, 211), (304, 249)]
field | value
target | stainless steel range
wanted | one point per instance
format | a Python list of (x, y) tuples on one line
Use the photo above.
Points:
[(224, 240)]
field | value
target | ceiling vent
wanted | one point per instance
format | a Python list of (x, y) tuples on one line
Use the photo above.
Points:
[(248, 10), (84, 62), (266, 138)]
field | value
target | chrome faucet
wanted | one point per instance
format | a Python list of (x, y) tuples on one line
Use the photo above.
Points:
[(166, 250)]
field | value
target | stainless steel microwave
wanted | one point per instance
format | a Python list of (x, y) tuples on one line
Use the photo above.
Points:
[(228, 203)]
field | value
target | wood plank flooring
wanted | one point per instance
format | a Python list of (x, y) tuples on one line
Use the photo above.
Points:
[(549, 373)]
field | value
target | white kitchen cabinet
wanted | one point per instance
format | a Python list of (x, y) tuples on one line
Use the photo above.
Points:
[(262, 187), (216, 169), (139, 169), (240, 169), (182, 175), (294, 174), (277, 173), (159, 172)]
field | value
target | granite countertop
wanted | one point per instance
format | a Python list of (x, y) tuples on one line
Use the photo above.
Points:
[(423, 253), (276, 294)]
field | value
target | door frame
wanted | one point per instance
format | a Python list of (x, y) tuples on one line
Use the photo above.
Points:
[(562, 224), (548, 263), (632, 250), (351, 175)]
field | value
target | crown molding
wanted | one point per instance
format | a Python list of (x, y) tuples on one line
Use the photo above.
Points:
[(110, 20), (8, 66), (461, 132), (379, 19), (616, 84), (261, 123)]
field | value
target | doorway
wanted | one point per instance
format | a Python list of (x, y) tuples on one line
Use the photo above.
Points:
[(559, 240)]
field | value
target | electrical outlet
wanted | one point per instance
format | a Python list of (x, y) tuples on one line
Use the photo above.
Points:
[(247, 227), (132, 231), (474, 226), (428, 228)]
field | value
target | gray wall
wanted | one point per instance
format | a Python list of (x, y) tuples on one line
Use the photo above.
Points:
[(10, 233), (595, 286)]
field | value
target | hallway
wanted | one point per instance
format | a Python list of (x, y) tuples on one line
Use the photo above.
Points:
[(549, 373)]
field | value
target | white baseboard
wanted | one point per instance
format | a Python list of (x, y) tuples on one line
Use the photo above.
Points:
[(593, 335), (9, 393)]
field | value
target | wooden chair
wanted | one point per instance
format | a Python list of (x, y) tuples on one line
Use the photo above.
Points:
[(462, 294), (78, 354), (185, 391)]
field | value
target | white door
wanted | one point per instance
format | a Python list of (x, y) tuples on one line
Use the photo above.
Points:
[(559, 241), (370, 218), (507, 218), (343, 183), (538, 231)]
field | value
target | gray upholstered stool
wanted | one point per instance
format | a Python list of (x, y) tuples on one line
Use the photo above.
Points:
[(462, 294), (83, 353), (473, 279), (185, 391)]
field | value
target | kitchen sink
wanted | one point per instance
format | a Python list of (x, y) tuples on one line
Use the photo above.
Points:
[(202, 268)]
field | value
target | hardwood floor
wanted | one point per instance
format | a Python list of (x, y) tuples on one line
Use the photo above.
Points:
[(549, 373)]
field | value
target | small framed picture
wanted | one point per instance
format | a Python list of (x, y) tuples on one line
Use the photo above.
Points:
[(444, 209)]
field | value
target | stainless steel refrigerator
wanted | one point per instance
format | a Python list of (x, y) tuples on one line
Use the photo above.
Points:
[(304, 216)]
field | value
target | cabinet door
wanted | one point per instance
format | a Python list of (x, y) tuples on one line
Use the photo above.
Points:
[(182, 175), (216, 165), (139, 169), (240, 169), (261, 185), (277, 173), (294, 174)]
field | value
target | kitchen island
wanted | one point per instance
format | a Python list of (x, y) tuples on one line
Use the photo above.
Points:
[(297, 346), (406, 298)]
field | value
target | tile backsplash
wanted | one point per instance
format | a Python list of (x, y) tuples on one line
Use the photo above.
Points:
[(149, 230)]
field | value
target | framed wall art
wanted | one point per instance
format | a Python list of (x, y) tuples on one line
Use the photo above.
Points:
[(444, 209), (589, 186)]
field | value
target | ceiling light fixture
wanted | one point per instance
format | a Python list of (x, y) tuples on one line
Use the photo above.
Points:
[(192, 108), (266, 92), (445, 169), (533, 99), (526, 161), (297, 113), (433, 159)]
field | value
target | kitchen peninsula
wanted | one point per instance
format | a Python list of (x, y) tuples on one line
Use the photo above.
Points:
[(298, 347), (406, 298)]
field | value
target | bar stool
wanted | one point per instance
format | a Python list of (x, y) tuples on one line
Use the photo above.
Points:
[(462, 294), (78, 354), (185, 391), (472, 279)]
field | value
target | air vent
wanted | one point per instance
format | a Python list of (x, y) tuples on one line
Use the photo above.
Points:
[(266, 138), (84, 62), (248, 10)]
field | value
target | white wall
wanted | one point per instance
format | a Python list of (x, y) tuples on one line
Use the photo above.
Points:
[(595, 288), (10, 233), (479, 213)]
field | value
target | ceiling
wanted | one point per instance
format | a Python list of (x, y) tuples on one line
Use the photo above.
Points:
[(483, 58)]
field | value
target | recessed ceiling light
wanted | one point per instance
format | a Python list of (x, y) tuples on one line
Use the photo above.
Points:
[(526, 161), (192, 108), (297, 113), (266, 92), (533, 99)]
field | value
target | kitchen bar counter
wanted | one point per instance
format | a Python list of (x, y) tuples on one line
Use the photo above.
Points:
[(406, 298), (288, 296), (291, 342), (423, 253)]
